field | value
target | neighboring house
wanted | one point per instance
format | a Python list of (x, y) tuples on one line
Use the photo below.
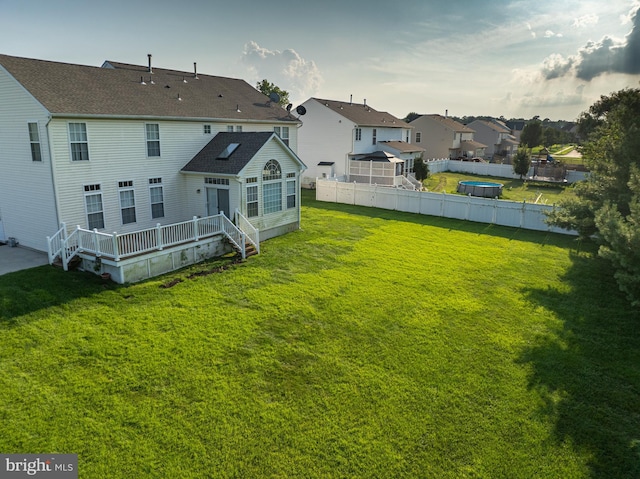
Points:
[(123, 148), (407, 152), (501, 144), (444, 137), (516, 127), (335, 134)]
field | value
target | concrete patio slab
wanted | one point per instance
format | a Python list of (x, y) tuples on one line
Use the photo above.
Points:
[(18, 258)]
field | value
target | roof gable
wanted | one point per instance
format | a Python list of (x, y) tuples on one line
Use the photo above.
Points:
[(123, 90), (448, 123), (492, 126), (213, 158), (362, 114)]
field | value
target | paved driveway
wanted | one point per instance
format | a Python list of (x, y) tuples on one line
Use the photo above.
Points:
[(16, 259)]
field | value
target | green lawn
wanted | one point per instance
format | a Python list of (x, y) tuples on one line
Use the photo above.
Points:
[(369, 344), (514, 189)]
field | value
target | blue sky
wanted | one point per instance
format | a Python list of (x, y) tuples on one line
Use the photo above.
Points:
[(514, 58)]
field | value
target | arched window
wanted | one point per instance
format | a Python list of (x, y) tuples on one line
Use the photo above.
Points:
[(272, 187), (272, 171)]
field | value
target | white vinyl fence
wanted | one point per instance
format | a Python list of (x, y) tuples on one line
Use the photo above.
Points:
[(489, 169), (483, 210)]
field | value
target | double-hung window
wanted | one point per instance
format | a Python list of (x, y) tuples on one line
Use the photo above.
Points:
[(34, 140), (93, 201), (252, 197), (283, 133), (418, 137), (157, 197), (153, 139), (375, 136), (272, 187), (127, 202), (291, 190), (358, 134), (78, 142)]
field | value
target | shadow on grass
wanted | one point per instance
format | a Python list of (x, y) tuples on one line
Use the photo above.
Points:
[(588, 369), (31, 290), (507, 232)]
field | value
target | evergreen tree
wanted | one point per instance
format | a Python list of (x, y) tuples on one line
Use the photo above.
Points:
[(521, 162), (532, 134), (420, 169), (607, 204)]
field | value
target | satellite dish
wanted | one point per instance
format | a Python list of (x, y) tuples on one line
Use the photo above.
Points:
[(274, 97), (301, 110), (289, 106)]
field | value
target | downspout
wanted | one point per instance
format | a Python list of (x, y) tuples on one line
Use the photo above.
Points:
[(53, 175)]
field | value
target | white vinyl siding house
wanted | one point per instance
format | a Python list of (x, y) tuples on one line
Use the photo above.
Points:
[(334, 132), (260, 188), (143, 144), (24, 182)]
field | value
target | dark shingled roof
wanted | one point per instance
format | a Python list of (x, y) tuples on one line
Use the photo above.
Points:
[(379, 155), (116, 90), (364, 115), (207, 161)]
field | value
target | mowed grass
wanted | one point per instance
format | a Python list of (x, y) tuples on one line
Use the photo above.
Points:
[(369, 344), (513, 189)]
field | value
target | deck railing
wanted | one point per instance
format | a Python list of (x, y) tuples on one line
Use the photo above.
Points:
[(253, 235), (120, 246)]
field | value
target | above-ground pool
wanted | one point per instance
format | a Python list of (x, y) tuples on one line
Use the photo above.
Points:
[(486, 189)]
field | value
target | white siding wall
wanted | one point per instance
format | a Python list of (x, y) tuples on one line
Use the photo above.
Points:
[(382, 134), (27, 207), (286, 216), (324, 136), (117, 152)]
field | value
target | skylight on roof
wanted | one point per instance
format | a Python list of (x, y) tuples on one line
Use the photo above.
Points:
[(226, 153)]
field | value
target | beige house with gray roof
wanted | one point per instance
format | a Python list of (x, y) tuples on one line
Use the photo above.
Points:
[(444, 137), (111, 149)]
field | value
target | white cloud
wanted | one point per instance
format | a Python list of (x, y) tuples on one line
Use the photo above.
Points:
[(287, 69), (550, 34), (533, 34), (586, 20)]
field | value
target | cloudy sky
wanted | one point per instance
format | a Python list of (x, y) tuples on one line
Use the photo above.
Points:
[(516, 58)]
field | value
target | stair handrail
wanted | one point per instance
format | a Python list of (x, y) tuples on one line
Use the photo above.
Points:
[(55, 243), (234, 234), (253, 234)]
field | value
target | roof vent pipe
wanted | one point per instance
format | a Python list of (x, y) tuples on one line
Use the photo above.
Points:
[(195, 70), (350, 99), (365, 102), (446, 113), (149, 57)]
